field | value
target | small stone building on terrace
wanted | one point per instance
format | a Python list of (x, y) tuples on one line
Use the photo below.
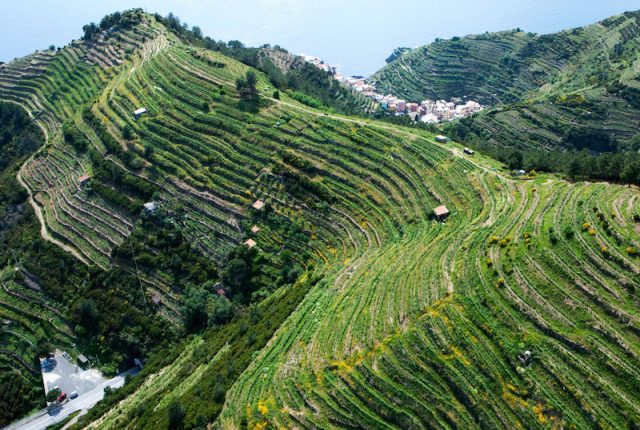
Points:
[(441, 213)]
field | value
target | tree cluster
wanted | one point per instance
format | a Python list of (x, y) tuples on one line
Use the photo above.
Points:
[(116, 20), (587, 154), (202, 308), (246, 85), (74, 137)]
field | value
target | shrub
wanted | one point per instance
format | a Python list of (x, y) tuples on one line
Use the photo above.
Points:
[(307, 100), (568, 232), (176, 414), (128, 133), (52, 395), (74, 137)]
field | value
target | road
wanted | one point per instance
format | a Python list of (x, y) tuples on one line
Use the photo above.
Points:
[(40, 420)]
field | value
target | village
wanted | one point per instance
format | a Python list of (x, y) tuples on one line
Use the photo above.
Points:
[(427, 111)]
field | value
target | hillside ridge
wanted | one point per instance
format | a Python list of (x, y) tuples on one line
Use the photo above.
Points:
[(549, 96), (507, 66)]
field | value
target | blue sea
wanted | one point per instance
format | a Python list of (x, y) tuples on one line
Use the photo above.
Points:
[(355, 35)]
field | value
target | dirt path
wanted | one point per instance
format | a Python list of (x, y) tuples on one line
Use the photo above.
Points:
[(37, 209)]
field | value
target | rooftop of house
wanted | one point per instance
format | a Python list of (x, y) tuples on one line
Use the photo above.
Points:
[(150, 206), (255, 229), (441, 210), (250, 243), (258, 204)]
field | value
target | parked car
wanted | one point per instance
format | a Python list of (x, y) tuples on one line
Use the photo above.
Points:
[(73, 394), (61, 397)]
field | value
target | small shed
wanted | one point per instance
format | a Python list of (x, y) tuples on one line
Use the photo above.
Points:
[(250, 243), (150, 207), (441, 212), (442, 139), (221, 292), (156, 299), (258, 204), (84, 179), (82, 360), (255, 229), (139, 112), (469, 151)]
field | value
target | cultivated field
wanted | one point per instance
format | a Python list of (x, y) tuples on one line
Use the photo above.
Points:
[(415, 323)]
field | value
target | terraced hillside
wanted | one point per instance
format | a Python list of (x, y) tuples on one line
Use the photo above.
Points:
[(474, 66), (427, 331), (505, 66), (540, 86), (397, 320)]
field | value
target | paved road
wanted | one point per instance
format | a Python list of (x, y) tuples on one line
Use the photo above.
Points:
[(40, 420)]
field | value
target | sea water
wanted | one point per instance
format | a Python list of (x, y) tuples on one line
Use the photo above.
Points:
[(355, 35)]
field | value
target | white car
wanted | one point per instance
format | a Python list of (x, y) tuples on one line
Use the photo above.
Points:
[(73, 394)]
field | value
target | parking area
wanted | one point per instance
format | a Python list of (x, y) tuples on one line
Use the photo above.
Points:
[(61, 372)]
